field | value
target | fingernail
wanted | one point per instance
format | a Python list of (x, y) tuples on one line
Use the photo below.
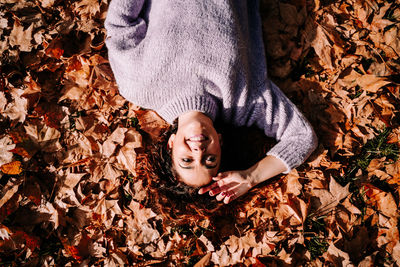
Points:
[(211, 193), (223, 193)]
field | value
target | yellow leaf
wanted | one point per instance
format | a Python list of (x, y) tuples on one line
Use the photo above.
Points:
[(12, 168)]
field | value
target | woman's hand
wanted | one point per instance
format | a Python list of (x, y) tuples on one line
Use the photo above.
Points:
[(233, 184), (228, 186)]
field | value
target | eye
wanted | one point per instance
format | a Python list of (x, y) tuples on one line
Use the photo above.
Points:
[(186, 160), (211, 158)]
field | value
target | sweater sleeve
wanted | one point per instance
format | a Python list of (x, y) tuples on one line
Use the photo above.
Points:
[(281, 119), (125, 28)]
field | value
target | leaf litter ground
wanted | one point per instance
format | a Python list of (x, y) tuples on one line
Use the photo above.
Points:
[(74, 154)]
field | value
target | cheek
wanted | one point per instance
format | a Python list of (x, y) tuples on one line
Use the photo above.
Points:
[(178, 150), (215, 149)]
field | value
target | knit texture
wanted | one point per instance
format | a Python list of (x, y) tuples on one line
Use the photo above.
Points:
[(174, 56)]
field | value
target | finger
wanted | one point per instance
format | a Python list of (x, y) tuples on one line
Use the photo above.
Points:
[(236, 193), (229, 196), (221, 175), (222, 188), (207, 188), (220, 196)]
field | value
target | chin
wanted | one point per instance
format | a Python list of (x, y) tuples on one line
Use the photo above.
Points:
[(199, 183)]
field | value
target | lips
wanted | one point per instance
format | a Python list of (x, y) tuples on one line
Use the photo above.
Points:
[(197, 138)]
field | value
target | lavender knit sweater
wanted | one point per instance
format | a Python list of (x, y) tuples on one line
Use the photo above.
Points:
[(174, 56)]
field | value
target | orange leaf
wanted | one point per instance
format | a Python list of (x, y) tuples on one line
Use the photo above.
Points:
[(20, 151), (30, 241), (74, 64), (52, 115), (12, 168), (54, 48), (19, 137), (74, 252)]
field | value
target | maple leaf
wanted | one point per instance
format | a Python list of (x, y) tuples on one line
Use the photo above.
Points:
[(17, 109), (151, 122), (292, 184), (4, 232), (3, 101), (345, 57), (127, 154), (117, 137), (87, 7), (383, 201), (47, 3), (337, 257), (329, 199), (47, 138), (6, 146), (21, 37)]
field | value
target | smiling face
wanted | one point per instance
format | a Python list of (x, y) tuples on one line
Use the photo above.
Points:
[(196, 149)]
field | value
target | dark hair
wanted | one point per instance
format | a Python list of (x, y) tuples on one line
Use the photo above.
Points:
[(175, 197), (242, 148)]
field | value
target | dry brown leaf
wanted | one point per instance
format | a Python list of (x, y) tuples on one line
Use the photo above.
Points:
[(17, 110), (151, 122), (21, 37), (5, 146), (9, 190), (117, 137), (87, 7), (337, 257), (396, 253), (383, 201), (371, 83), (322, 47), (391, 39), (329, 199), (3, 102), (204, 261), (127, 154), (292, 213), (291, 183), (47, 3)]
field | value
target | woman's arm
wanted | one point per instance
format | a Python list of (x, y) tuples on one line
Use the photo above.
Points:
[(125, 28), (280, 119)]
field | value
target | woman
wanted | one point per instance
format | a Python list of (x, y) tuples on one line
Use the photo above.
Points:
[(198, 61)]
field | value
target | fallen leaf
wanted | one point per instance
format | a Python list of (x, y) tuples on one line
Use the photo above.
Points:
[(204, 261), (17, 109), (12, 168), (6, 146), (21, 37), (337, 257)]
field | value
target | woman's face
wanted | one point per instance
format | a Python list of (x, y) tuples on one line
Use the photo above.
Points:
[(196, 149)]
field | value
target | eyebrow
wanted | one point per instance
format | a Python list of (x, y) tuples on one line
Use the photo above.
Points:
[(190, 167)]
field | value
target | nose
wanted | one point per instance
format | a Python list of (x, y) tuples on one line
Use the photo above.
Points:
[(197, 146)]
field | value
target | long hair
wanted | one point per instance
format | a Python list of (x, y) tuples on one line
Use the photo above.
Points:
[(175, 199), (242, 147)]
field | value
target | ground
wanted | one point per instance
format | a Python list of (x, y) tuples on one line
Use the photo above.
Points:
[(74, 154)]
